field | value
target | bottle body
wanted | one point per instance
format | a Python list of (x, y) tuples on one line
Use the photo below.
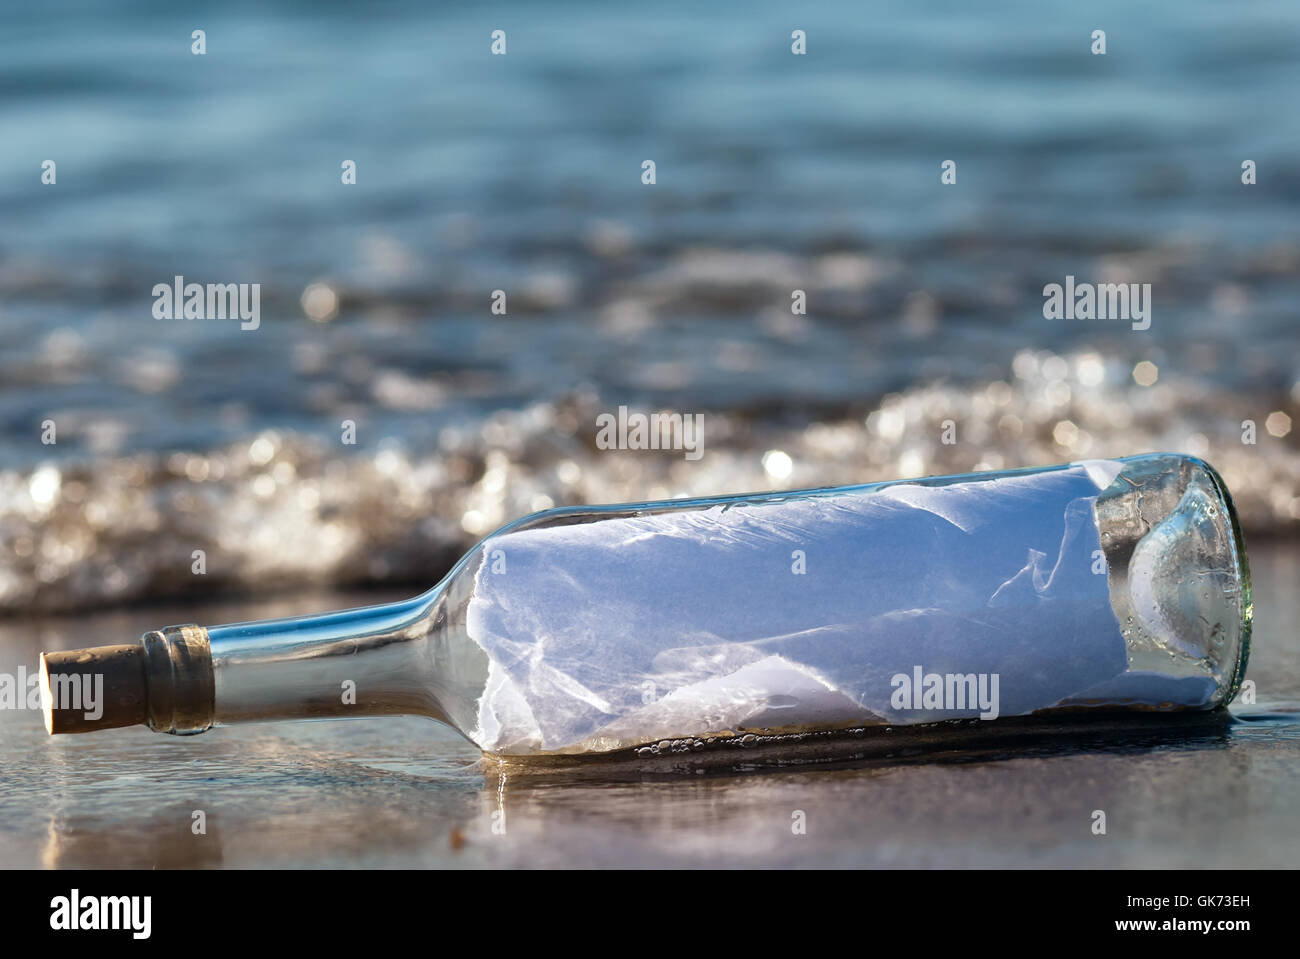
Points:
[(1117, 584), (1108, 584)]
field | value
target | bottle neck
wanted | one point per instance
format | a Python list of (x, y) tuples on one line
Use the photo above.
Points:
[(356, 662)]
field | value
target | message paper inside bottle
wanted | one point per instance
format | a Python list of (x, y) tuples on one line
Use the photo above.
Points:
[(811, 611)]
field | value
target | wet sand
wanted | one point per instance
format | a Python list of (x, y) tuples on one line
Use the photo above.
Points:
[(409, 792)]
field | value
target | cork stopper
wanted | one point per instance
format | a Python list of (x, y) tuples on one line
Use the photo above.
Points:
[(98, 688), (165, 682)]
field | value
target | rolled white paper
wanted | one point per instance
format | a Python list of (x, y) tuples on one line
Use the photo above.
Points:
[(690, 622)]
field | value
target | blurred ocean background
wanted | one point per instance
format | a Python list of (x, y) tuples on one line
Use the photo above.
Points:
[(522, 173)]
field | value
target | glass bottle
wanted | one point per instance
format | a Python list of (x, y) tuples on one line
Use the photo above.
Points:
[(1098, 585)]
